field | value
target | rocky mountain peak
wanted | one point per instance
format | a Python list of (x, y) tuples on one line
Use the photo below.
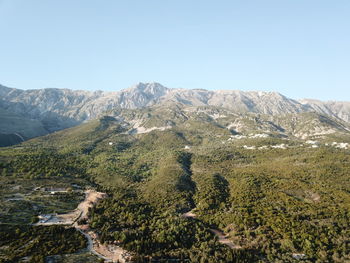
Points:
[(61, 108), (152, 88)]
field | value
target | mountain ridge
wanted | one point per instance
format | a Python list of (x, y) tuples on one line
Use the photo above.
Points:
[(57, 109)]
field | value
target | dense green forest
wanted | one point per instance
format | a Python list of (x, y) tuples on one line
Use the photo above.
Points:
[(18, 241), (272, 203)]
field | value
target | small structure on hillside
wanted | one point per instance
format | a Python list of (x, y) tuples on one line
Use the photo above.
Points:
[(54, 189), (45, 217)]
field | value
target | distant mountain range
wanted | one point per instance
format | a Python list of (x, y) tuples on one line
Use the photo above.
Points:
[(26, 114)]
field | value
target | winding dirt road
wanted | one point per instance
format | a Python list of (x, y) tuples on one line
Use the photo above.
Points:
[(222, 238), (109, 253), (90, 246)]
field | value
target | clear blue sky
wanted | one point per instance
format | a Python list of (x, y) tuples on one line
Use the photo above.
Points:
[(300, 48)]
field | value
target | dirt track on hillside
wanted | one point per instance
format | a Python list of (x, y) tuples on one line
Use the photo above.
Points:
[(222, 238), (107, 252)]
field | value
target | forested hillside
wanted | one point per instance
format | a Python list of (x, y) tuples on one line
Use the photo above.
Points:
[(276, 196)]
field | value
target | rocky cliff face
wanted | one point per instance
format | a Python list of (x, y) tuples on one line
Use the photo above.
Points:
[(56, 109), (337, 109), (69, 107)]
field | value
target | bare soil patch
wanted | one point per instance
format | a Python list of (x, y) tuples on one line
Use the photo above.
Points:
[(223, 239)]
